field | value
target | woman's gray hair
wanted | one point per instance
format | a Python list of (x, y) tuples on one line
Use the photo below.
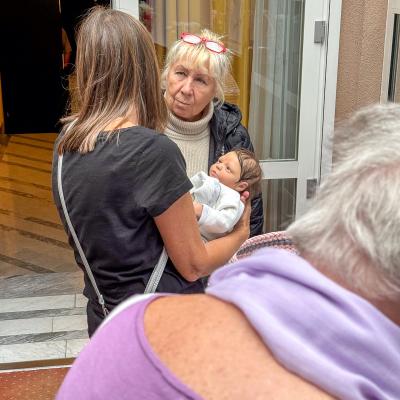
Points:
[(353, 228), (218, 64)]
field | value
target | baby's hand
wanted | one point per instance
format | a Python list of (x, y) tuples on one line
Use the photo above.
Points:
[(198, 209)]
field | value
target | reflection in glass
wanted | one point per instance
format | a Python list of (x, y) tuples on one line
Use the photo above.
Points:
[(280, 203), (393, 92), (276, 73)]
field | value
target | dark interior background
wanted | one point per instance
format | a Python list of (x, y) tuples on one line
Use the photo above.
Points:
[(34, 95)]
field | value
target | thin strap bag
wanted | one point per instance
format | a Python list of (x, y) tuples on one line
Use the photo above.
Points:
[(157, 271)]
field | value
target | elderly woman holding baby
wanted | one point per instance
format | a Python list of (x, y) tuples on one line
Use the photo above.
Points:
[(199, 121)]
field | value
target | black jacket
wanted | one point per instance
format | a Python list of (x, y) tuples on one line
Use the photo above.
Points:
[(227, 133)]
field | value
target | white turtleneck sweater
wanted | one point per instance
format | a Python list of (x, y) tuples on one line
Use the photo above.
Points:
[(193, 140)]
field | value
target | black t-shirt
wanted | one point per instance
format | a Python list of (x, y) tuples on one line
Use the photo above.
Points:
[(112, 195)]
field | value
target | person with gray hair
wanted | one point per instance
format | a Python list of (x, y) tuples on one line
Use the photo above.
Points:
[(323, 324), (363, 229)]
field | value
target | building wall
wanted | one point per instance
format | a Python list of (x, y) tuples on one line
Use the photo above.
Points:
[(361, 49)]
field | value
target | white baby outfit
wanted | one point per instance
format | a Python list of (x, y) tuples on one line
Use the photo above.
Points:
[(222, 207)]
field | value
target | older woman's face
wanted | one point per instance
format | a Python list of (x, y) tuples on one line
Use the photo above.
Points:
[(189, 91)]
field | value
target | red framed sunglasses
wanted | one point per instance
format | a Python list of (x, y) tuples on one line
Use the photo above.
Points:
[(215, 47)]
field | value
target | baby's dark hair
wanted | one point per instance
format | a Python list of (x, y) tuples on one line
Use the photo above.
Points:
[(250, 171)]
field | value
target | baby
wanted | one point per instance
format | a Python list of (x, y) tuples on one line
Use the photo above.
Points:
[(216, 196)]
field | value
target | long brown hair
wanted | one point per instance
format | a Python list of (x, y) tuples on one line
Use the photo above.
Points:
[(117, 73)]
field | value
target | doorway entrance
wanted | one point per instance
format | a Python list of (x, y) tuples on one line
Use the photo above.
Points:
[(33, 69), (31, 48)]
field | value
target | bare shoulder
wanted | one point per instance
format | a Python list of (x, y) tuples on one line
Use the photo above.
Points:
[(212, 348)]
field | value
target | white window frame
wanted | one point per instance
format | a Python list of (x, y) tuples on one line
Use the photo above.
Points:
[(329, 108), (317, 104)]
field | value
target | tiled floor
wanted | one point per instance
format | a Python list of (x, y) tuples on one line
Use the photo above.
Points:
[(42, 311)]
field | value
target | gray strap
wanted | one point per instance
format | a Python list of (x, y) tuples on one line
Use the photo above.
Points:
[(75, 237), (157, 271)]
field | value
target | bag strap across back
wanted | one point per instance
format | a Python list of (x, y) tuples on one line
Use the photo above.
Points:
[(158, 270)]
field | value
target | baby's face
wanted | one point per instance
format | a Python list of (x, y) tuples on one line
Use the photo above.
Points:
[(227, 170)]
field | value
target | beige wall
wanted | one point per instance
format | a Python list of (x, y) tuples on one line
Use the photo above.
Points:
[(362, 38)]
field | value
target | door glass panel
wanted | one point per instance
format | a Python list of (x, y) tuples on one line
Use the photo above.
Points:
[(276, 73), (280, 203)]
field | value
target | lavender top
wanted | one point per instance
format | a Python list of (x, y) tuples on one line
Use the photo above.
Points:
[(314, 327), (118, 363)]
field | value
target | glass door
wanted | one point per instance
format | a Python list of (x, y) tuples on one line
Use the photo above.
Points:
[(275, 104), (279, 80), (287, 102)]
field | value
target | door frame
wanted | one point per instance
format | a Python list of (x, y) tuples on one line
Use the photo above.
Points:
[(316, 120), (332, 64)]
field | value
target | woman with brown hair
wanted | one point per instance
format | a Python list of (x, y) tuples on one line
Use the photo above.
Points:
[(120, 186)]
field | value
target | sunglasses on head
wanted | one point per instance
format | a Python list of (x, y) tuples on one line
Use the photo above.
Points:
[(211, 45)]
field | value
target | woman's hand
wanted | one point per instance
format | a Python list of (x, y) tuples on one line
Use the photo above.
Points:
[(243, 225), (244, 196), (181, 236), (198, 209)]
